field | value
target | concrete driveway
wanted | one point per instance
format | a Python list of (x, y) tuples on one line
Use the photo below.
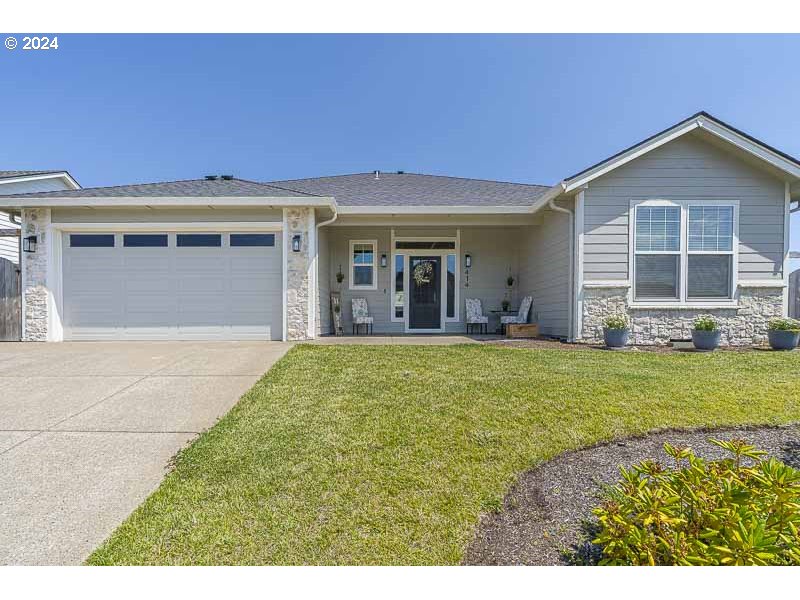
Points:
[(87, 430)]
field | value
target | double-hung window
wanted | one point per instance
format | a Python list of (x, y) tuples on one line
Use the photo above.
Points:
[(710, 252), (362, 265), (657, 261), (683, 252)]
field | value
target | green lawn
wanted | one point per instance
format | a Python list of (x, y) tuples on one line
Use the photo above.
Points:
[(388, 454)]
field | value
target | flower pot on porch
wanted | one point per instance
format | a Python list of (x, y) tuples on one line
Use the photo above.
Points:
[(706, 340), (615, 338), (783, 340)]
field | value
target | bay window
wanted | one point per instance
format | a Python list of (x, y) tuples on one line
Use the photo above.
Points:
[(683, 252)]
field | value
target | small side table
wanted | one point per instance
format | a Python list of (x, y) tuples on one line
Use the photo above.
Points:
[(503, 313)]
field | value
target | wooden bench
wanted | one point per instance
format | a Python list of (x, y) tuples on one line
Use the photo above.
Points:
[(525, 330)]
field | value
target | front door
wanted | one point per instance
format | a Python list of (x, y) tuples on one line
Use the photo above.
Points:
[(425, 299)]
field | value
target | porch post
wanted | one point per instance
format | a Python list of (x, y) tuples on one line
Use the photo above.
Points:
[(299, 266)]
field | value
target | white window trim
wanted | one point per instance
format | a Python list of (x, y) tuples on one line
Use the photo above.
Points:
[(374, 284), (441, 253), (683, 301)]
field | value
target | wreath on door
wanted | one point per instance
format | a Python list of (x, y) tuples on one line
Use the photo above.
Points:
[(423, 272)]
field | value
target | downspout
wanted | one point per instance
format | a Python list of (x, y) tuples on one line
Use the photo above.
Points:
[(570, 318), (316, 262)]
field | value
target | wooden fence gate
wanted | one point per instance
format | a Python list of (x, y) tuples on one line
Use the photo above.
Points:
[(10, 302)]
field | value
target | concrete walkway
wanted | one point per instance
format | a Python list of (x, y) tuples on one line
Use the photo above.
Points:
[(87, 431)]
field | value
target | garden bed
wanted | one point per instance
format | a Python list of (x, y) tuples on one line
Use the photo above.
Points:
[(551, 344), (546, 517)]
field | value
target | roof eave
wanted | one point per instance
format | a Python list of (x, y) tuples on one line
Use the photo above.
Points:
[(433, 210), (163, 201), (68, 179)]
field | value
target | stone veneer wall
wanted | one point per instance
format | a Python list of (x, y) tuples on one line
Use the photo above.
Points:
[(298, 284), (34, 284), (742, 326)]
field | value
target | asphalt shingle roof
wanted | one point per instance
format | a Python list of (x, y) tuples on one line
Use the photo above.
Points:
[(10, 174), (412, 189), (195, 188)]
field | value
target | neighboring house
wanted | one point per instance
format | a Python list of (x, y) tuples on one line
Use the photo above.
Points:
[(23, 182), (693, 220)]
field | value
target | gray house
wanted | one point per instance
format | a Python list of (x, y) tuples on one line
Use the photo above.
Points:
[(693, 220)]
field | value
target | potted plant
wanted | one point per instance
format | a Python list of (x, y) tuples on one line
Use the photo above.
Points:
[(615, 331), (510, 281), (505, 304), (340, 277), (705, 333), (783, 334)]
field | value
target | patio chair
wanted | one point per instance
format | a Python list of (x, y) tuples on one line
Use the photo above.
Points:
[(475, 316), (361, 315), (521, 317)]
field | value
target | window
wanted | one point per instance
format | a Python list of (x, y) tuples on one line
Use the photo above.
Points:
[(399, 285), (86, 240), (683, 252), (710, 249), (362, 265), (425, 245), (451, 286), (145, 240), (252, 239), (658, 247), (196, 240)]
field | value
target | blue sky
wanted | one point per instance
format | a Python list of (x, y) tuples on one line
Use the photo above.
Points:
[(121, 109)]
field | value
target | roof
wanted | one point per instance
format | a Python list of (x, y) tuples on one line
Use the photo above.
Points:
[(699, 118), (414, 189), (190, 188), (12, 174)]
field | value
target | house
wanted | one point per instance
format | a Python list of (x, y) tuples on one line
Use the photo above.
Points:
[(22, 182), (693, 220)]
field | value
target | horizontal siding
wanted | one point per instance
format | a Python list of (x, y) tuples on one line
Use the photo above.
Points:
[(9, 246), (323, 285), (686, 168), (544, 271)]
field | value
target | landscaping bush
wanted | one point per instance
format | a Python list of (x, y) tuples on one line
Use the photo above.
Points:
[(618, 321), (705, 323), (702, 512), (784, 325)]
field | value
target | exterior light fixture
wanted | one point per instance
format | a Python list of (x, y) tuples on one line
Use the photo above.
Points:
[(468, 260), (296, 243), (29, 244), (383, 261)]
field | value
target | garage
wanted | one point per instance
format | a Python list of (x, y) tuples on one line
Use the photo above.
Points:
[(162, 285)]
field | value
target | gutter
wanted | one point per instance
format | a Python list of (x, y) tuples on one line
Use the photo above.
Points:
[(551, 204), (316, 262)]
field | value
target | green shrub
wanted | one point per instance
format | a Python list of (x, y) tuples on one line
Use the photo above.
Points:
[(618, 321), (703, 512), (784, 325), (705, 323)]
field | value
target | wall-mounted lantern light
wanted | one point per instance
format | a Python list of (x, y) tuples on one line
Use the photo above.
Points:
[(29, 244), (296, 243), (468, 260), (383, 261)]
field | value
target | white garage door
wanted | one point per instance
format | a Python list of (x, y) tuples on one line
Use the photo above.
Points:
[(172, 286)]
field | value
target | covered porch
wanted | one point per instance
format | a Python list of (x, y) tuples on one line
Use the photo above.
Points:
[(415, 278)]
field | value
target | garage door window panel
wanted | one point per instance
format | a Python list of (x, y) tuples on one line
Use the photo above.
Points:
[(252, 239), (91, 240), (199, 240), (145, 240)]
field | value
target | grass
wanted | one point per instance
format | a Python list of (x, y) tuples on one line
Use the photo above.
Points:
[(389, 454)]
